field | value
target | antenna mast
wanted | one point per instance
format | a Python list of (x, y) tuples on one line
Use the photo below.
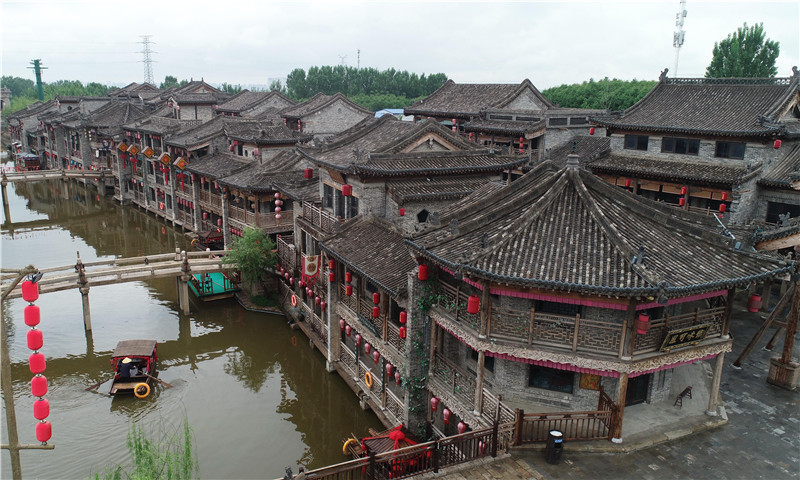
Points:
[(148, 62), (677, 37)]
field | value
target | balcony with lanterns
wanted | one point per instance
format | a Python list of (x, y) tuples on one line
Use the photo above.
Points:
[(319, 218)]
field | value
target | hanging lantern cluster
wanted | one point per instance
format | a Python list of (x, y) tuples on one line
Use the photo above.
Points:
[(331, 272), (278, 203), (36, 361), (403, 320), (348, 288)]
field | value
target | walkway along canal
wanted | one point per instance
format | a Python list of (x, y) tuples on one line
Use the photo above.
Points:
[(256, 395)]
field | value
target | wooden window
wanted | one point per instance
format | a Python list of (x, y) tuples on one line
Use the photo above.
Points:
[(636, 142), (687, 146), (557, 122), (729, 150), (551, 379), (557, 308), (353, 206), (578, 121), (327, 196), (488, 362)]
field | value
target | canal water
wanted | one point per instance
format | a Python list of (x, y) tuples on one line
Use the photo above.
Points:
[(255, 394)]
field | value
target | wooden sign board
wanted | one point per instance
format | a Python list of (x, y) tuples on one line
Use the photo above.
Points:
[(685, 337)]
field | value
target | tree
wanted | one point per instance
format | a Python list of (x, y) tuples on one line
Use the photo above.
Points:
[(170, 81), (610, 94), (745, 53), (277, 86), (252, 253)]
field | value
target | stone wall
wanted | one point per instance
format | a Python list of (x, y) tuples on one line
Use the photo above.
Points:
[(333, 119)]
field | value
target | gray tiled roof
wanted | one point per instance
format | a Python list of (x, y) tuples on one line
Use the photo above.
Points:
[(433, 188), (680, 170), (199, 134), (371, 248), (318, 102), (113, 114), (505, 127), (259, 177), (589, 147), (785, 171), (247, 99), (571, 231), (436, 163), (263, 132), (468, 99), (217, 165), (724, 106)]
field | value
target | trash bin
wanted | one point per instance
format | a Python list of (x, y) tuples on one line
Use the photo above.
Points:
[(555, 447)]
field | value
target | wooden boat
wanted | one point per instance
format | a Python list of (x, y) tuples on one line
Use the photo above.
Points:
[(130, 353)]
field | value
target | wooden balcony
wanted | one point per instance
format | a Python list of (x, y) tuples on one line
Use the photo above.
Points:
[(567, 333), (287, 252), (319, 217), (209, 200), (381, 327)]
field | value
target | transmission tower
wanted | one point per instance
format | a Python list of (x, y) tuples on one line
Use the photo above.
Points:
[(37, 69), (147, 60), (677, 37)]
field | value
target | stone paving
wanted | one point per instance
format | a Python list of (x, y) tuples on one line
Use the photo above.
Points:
[(761, 439)]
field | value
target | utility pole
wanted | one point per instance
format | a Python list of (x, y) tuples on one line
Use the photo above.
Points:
[(37, 69), (677, 37), (147, 60), (358, 62)]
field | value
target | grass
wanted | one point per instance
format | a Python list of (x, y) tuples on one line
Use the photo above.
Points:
[(268, 300), (170, 458)]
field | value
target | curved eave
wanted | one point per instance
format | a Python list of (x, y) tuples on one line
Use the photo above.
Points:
[(440, 113), (600, 290), (379, 172), (675, 177), (355, 268), (772, 183), (271, 141), (764, 132), (512, 131), (332, 166)]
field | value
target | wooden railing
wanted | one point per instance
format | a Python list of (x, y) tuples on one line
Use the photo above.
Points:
[(454, 379), (319, 217), (286, 252), (418, 459), (572, 333)]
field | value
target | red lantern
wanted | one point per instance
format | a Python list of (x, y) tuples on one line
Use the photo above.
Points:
[(30, 291), (521, 145), (37, 363), (308, 173), (777, 144), (446, 415), (471, 139), (473, 304), (376, 312), (681, 201), (322, 305), (205, 215), (591, 130), (331, 276), (423, 272), (455, 128), (402, 332), (317, 300), (724, 196), (347, 190), (397, 377), (278, 209), (348, 290), (722, 207), (367, 348), (35, 339), (683, 190), (32, 315), (389, 369), (291, 281), (376, 356), (219, 222), (754, 303), (278, 216), (39, 386), (348, 330), (642, 323), (342, 324), (358, 339), (376, 298), (402, 211), (331, 264), (348, 277), (462, 427), (627, 182), (41, 409), (403, 317), (44, 431), (434, 403), (481, 447)]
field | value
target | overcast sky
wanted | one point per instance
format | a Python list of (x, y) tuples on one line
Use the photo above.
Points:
[(253, 42)]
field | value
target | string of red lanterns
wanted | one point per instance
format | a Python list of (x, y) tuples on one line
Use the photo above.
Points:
[(36, 361)]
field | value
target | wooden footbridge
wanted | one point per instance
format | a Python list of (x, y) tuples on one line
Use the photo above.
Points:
[(181, 265), (53, 174)]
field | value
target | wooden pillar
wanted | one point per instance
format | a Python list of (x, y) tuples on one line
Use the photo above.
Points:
[(4, 187), (765, 295), (713, 394), (726, 326), (782, 371), (183, 284), (334, 332), (8, 400), (122, 182), (479, 382), (622, 390), (84, 289), (630, 331), (196, 214), (485, 310), (226, 233)]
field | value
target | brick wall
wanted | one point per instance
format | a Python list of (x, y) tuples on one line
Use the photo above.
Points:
[(335, 118)]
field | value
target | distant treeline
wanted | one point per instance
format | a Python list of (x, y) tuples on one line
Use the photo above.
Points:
[(608, 94), (23, 91)]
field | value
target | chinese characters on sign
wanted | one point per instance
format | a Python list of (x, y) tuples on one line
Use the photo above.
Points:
[(685, 337)]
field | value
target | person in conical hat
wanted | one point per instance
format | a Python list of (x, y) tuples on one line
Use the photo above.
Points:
[(125, 368)]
